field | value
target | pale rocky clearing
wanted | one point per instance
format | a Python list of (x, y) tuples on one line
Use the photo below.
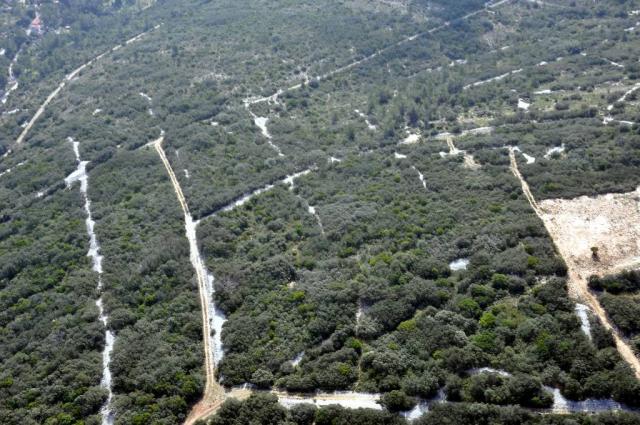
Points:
[(609, 222)]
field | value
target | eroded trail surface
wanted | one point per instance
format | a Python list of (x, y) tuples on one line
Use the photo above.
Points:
[(214, 393), (421, 177), (80, 175), (609, 222), (493, 79), (12, 82), (261, 123), (525, 186), (469, 160)]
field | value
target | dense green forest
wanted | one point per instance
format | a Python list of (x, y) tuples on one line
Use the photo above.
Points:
[(386, 247), (389, 267), (619, 296)]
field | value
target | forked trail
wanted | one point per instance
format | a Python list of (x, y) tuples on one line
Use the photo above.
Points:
[(213, 393), (577, 282)]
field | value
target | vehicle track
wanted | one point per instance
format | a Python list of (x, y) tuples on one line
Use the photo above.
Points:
[(273, 97), (68, 78), (213, 393), (578, 283)]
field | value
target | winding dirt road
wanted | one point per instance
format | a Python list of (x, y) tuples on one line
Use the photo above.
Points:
[(577, 282)]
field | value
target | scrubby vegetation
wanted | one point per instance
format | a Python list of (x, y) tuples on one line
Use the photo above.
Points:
[(619, 295), (387, 245), (50, 338), (264, 409), (343, 281)]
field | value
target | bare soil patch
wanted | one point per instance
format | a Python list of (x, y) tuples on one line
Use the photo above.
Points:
[(470, 162), (610, 223)]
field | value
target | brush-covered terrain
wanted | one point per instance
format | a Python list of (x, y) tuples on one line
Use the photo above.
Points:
[(351, 194)]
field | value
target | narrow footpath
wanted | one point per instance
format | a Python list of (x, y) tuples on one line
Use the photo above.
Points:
[(80, 175)]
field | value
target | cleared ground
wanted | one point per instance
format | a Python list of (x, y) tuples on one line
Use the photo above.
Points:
[(610, 223)]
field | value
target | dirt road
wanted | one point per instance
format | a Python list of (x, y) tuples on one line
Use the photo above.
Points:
[(64, 82), (273, 97), (214, 393), (577, 280)]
